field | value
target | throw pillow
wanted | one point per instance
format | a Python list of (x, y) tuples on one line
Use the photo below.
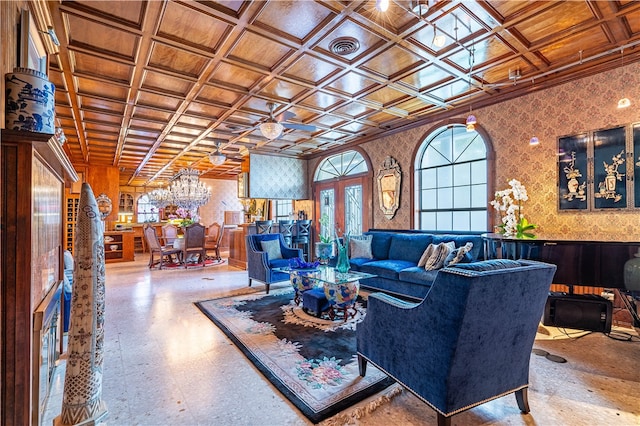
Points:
[(272, 247), (426, 255), (459, 255), (360, 247), (436, 261)]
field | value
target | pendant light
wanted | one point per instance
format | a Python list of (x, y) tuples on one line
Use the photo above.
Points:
[(623, 102), (471, 119)]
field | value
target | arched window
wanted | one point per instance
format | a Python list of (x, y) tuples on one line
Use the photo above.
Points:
[(340, 182), (451, 181), (146, 212), (344, 164)]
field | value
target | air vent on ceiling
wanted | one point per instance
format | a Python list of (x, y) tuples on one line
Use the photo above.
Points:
[(344, 46)]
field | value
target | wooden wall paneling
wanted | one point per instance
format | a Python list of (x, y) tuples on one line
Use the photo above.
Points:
[(18, 291), (16, 283), (106, 179)]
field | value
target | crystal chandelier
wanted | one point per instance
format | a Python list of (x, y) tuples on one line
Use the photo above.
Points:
[(160, 198), (185, 191)]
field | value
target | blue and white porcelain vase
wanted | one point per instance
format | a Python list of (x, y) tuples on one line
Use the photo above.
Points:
[(29, 101)]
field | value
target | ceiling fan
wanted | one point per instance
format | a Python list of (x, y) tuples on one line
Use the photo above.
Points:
[(217, 158), (272, 128)]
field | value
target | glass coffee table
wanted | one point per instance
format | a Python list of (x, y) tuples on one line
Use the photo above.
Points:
[(324, 290)]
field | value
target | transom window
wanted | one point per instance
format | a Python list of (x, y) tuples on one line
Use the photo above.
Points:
[(451, 181), (343, 164)]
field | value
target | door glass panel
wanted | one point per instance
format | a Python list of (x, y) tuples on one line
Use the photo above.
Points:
[(328, 209), (353, 209)]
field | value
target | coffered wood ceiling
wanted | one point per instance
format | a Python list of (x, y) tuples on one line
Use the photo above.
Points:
[(150, 87)]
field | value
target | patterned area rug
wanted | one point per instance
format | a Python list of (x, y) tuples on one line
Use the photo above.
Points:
[(311, 361)]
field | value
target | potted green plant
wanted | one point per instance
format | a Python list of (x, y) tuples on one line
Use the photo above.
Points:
[(325, 248)]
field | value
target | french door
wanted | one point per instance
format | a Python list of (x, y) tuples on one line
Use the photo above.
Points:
[(346, 204)]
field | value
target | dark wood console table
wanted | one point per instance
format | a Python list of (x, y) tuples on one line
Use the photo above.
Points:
[(579, 263)]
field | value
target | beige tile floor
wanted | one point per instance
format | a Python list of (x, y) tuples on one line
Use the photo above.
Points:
[(167, 364)]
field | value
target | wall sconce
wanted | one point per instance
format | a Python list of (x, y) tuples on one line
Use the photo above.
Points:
[(534, 141), (624, 102)]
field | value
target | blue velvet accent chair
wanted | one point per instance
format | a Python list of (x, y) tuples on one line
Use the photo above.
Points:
[(467, 342), (260, 267)]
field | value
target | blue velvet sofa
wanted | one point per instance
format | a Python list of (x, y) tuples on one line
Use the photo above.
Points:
[(395, 260)]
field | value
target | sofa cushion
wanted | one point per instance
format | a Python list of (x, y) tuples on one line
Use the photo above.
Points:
[(459, 255), (460, 240), (408, 247), (418, 275), (360, 247), (272, 247), (357, 263), (488, 265), (278, 263), (426, 254), (380, 244), (386, 268), (436, 261)]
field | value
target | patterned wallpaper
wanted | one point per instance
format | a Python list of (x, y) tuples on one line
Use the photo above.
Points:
[(277, 177), (224, 197), (582, 105)]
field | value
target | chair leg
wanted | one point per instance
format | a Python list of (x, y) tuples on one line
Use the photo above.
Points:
[(444, 421), (249, 282), (362, 365), (522, 397), (267, 285)]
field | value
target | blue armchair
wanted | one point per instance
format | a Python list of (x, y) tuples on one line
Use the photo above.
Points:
[(260, 265), (469, 340)]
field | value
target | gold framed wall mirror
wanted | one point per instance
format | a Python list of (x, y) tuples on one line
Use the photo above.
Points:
[(389, 180)]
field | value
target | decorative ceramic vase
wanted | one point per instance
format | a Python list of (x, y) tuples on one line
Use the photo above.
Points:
[(29, 101), (632, 273), (324, 252), (342, 295), (302, 280), (342, 265)]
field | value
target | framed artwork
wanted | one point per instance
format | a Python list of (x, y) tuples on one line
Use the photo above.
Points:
[(609, 168), (572, 172), (31, 50), (635, 131)]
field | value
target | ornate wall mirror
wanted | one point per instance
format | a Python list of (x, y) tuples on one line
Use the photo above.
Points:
[(389, 178), (104, 205)]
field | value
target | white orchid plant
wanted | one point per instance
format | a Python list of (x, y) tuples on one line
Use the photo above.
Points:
[(509, 203)]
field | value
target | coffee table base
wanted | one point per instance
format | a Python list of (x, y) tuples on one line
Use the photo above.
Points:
[(316, 301)]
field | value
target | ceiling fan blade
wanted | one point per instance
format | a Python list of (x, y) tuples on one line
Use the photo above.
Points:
[(296, 126), (245, 129), (286, 115)]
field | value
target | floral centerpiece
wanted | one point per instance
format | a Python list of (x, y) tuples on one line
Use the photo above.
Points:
[(509, 201), (183, 217)]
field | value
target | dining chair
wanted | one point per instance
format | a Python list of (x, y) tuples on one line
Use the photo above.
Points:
[(302, 237), (153, 243), (213, 238), (286, 229), (194, 236), (263, 226), (169, 234)]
